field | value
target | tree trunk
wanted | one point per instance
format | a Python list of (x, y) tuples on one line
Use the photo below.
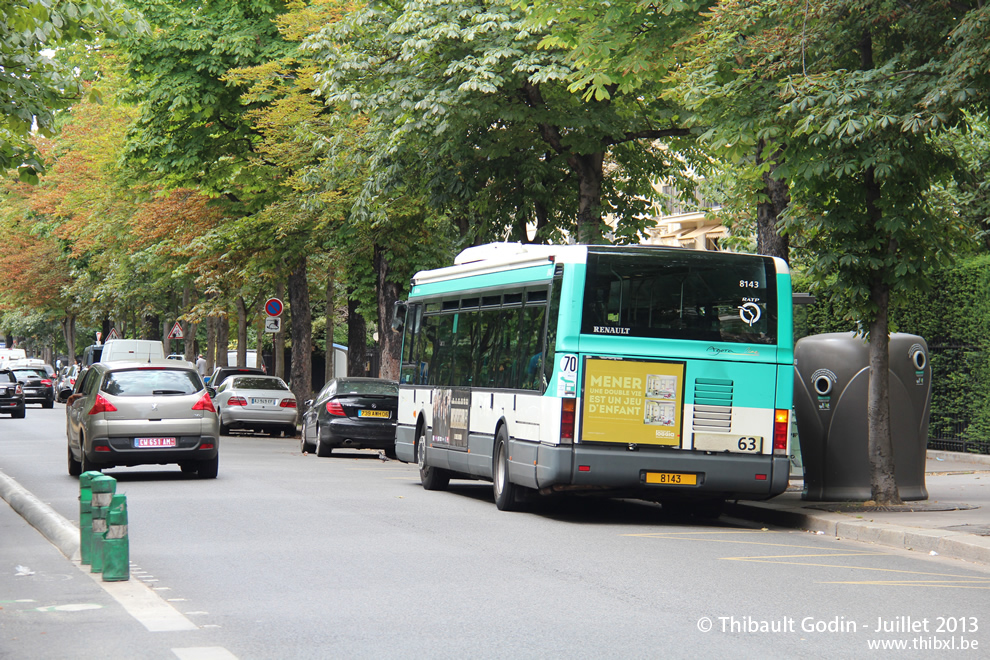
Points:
[(769, 240), (357, 337), (389, 341), (328, 371), (242, 334), (188, 329), (589, 170), (883, 481), (223, 336), (69, 334), (278, 340), (301, 379), (211, 343)]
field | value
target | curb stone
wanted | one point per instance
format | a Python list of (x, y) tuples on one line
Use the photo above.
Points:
[(59, 531)]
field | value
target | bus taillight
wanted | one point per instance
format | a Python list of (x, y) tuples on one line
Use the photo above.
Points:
[(567, 408), (781, 431)]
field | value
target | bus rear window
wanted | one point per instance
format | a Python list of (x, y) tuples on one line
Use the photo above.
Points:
[(675, 294)]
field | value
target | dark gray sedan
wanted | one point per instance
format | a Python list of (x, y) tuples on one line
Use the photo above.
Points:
[(358, 413)]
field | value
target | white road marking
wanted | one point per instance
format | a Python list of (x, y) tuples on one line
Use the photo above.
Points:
[(204, 653), (143, 604)]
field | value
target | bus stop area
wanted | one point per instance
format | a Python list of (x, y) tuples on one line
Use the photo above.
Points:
[(953, 522)]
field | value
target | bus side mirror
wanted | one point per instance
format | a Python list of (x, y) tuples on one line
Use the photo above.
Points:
[(398, 316)]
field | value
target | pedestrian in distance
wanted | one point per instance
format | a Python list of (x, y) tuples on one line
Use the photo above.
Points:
[(201, 365)]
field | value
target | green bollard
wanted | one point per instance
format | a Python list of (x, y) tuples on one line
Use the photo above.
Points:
[(103, 490), (86, 516), (116, 553)]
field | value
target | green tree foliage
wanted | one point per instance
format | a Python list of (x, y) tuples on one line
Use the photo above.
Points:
[(36, 78), (461, 99)]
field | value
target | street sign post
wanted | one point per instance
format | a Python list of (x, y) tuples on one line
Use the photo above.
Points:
[(113, 334), (273, 324), (176, 332), (273, 307)]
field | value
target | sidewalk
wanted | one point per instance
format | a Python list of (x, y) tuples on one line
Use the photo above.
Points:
[(953, 522)]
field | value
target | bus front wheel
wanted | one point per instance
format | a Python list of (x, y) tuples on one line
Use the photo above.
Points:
[(505, 491), (432, 478)]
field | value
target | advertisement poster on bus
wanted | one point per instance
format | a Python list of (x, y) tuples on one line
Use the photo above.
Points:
[(632, 402), (451, 410)]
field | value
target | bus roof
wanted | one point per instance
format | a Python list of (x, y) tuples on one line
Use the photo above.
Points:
[(495, 257)]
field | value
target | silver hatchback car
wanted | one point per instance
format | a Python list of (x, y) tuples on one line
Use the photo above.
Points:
[(138, 413)]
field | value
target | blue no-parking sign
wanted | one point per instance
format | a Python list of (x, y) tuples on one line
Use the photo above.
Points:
[(273, 307)]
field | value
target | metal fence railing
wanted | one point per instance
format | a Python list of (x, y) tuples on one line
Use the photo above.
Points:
[(956, 408)]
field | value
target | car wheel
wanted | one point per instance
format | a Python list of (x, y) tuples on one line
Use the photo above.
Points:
[(390, 452), (50, 403), (290, 431), (505, 491), (224, 429), (208, 469), (305, 447), (322, 449), (75, 467), (85, 463), (188, 467), (432, 478), (18, 414)]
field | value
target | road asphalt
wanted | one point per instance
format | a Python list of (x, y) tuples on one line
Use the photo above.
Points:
[(953, 522)]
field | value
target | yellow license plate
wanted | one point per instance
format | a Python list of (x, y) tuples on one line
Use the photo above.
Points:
[(373, 413), (672, 478)]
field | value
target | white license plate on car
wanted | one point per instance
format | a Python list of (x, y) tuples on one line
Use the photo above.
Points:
[(270, 402), (733, 443), (31, 391), (142, 443)]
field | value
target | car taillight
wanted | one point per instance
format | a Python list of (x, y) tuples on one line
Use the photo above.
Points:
[(567, 414), (102, 405), (18, 389), (781, 431), (236, 401), (335, 409), (205, 403), (46, 382), (287, 403), (72, 381)]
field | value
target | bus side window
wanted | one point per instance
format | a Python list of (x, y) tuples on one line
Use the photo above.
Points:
[(485, 357), (465, 329), (411, 345), (441, 363), (531, 347)]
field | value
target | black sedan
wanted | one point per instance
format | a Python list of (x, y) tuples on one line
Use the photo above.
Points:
[(11, 394), (358, 413), (39, 387)]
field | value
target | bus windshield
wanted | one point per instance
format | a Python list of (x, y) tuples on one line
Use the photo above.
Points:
[(680, 294)]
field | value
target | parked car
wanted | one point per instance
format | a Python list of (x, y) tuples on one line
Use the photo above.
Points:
[(65, 382), (138, 413), (221, 374), (258, 403), (351, 412), (38, 385), (11, 394)]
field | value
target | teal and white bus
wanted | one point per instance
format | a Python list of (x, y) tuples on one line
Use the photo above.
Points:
[(636, 371)]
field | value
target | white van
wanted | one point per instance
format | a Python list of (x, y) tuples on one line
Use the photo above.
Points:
[(132, 349), (8, 355), (252, 359)]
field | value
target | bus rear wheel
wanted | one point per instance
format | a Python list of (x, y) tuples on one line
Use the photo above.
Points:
[(506, 492), (432, 478)]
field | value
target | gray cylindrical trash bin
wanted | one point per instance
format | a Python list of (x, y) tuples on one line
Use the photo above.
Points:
[(831, 385)]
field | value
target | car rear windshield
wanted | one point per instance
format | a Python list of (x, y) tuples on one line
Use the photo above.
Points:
[(151, 382), (244, 383), (31, 373), (7, 377), (681, 294), (357, 387)]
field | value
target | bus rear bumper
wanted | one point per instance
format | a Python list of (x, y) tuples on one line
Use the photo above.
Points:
[(726, 476)]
